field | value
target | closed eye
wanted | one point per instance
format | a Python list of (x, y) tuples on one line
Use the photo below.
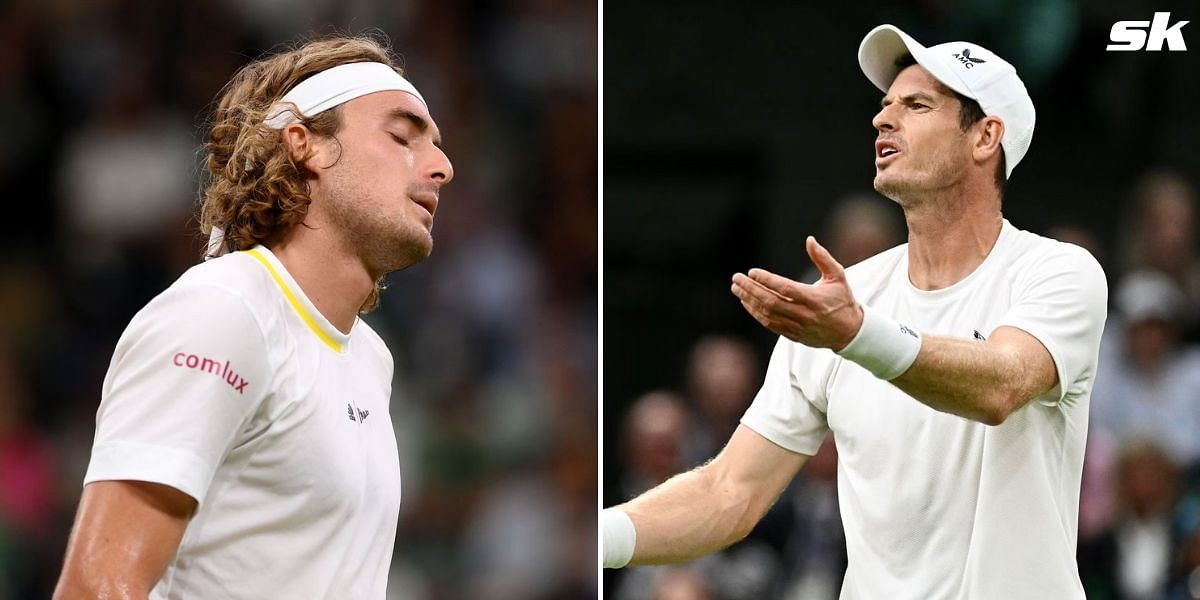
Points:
[(399, 140)]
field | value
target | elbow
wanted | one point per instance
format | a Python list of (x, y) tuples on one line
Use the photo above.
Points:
[(993, 418), (998, 406), (743, 528)]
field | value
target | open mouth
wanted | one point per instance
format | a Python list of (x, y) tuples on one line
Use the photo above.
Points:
[(885, 149)]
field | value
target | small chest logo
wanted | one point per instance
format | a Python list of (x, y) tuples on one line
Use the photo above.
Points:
[(362, 414), (211, 366), (964, 57), (979, 336)]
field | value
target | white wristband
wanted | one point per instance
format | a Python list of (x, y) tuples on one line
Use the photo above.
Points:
[(618, 537), (883, 346)]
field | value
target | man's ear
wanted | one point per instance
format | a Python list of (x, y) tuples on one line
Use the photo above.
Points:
[(305, 148), (991, 130)]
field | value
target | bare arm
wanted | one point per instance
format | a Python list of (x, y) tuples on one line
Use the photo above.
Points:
[(983, 382), (713, 506), (125, 534)]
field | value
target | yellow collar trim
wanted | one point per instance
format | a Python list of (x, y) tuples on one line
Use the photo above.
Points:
[(296, 305)]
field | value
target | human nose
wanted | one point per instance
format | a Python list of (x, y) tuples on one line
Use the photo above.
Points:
[(440, 169), (884, 120)]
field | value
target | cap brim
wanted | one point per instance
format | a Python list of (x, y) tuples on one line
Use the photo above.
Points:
[(884, 45), (879, 51)]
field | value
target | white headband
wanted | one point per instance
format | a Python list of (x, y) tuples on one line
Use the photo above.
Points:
[(319, 93), (335, 86)]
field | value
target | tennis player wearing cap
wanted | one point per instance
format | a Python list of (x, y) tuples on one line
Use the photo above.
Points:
[(243, 443), (954, 371)]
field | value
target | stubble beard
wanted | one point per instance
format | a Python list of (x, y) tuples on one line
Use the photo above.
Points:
[(896, 190), (385, 241), (907, 190)]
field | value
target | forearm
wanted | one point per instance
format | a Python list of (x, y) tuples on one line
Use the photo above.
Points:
[(974, 380), (96, 588), (691, 515)]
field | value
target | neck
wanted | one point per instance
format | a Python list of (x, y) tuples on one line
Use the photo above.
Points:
[(948, 237), (329, 272)]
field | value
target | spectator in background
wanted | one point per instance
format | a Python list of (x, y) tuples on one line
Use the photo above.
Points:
[(861, 226), (128, 172), (1186, 580), (27, 488), (722, 378), (1163, 236), (652, 445), (656, 434), (680, 583), (1147, 380), (653, 441), (1133, 558)]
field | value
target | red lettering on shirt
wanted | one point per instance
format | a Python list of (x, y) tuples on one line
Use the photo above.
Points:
[(222, 369)]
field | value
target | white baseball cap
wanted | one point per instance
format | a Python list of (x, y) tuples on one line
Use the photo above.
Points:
[(969, 69), (1147, 294)]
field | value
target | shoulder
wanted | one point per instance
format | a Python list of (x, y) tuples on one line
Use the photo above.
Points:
[(225, 298), (1035, 249), (237, 273), (1034, 257)]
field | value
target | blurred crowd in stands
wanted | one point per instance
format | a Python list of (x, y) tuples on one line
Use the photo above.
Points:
[(1139, 530), (102, 107)]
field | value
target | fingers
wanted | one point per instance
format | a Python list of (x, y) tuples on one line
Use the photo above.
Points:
[(830, 268), (780, 285), (780, 314), (748, 290), (762, 304)]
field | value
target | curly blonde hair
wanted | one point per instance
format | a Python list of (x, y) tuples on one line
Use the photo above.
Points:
[(252, 188)]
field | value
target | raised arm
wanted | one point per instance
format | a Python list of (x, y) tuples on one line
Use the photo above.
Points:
[(710, 507), (125, 534), (983, 382)]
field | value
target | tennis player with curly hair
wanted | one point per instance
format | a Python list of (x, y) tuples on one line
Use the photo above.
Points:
[(243, 443)]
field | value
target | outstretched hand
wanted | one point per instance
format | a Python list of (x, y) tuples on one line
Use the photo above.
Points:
[(820, 315)]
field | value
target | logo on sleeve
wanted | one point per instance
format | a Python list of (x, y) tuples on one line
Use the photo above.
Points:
[(979, 336), (211, 366)]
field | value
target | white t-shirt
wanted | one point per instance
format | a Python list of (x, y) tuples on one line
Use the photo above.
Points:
[(231, 387), (934, 505)]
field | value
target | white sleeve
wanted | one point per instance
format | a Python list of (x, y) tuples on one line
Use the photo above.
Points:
[(187, 375), (1063, 302), (790, 407)]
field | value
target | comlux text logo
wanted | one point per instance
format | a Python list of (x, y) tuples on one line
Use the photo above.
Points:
[(1131, 35)]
